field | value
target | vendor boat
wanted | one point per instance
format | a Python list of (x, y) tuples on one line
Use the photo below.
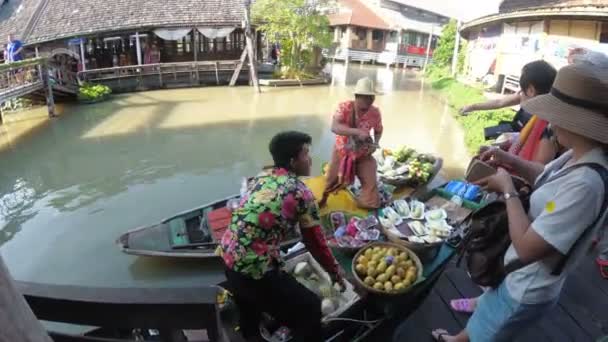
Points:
[(194, 233)]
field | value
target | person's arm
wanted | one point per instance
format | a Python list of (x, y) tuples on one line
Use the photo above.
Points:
[(312, 234), (496, 157), (546, 152), (340, 127), (505, 101), (528, 244)]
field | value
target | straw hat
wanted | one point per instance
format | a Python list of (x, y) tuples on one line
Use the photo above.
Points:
[(365, 86), (578, 101)]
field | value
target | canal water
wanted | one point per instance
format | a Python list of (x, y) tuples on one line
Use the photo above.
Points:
[(71, 186)]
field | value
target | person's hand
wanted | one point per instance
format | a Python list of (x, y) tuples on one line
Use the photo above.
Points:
[(495, 157), (466, 110), (363, 135), (500, 182), (337, 278)]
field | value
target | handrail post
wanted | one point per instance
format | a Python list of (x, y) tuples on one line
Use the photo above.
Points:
[(20, 324), (48, 91)]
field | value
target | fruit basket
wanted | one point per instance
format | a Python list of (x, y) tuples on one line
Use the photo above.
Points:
[(406, 167), (385, 268)]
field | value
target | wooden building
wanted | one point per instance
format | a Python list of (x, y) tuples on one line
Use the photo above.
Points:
[(132, 44), (527, 30)]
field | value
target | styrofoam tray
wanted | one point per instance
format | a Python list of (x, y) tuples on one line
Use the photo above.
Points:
[(346, 299)]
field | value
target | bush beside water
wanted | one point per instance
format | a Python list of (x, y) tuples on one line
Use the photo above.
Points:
[(93, 92), (458, 95)]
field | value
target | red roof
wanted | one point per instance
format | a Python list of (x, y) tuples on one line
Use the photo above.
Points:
[(355, 13)]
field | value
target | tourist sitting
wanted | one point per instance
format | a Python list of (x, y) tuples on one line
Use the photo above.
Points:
[(353, 123), (276, 202), (567, 207), (535, 142)]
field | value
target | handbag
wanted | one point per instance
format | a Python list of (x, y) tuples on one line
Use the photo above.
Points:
[(486, 243)]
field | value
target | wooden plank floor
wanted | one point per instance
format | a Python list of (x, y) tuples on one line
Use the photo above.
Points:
[(582, 313)]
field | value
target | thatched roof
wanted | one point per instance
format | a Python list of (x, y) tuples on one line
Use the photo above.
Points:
[(15, 16), (56, 19)]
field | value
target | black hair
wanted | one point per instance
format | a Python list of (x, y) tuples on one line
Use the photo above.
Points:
[(286, 146), (539, 74)]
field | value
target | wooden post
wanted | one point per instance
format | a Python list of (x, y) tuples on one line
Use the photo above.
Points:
[(195, 42), (428, 47), (249, 47), (238, 69), (48, 91), (138, 47), (17, 320), (217, 74), (82, 59)]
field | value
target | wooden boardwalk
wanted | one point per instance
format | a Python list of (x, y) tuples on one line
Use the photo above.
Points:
[(582, 313)]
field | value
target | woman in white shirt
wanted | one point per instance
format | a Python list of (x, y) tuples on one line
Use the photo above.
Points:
[(567, 207)]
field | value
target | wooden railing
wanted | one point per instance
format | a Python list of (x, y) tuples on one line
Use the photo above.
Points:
[(161, 70), (122, 309)]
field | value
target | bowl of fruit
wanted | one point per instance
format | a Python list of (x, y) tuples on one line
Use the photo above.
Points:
[(386, 268)]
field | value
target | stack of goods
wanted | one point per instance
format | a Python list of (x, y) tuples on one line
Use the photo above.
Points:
[(414, 223), (387, 268), (404, 166), (464, 190), (354, 234), (310, 274)]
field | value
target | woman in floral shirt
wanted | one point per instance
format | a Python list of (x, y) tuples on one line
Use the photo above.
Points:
[(277, 203)]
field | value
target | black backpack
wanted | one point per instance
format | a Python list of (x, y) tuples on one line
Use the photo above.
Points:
[(487, 239)]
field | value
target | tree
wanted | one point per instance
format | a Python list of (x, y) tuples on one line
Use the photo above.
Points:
[(298, 25), (442, 56)]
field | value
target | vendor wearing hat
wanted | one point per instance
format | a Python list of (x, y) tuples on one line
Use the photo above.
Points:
[(567, 207), (358, 128)]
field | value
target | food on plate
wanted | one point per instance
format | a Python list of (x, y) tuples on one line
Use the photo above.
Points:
[(436, 215), (392, 215), (417, 227), (439, 228), (402, 208), (327, 306), (338, 219), (417, 210), (367, 223), (302, 269), (384, 268), (404, 164)]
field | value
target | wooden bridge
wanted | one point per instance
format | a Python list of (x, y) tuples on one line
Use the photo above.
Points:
[(36, 78)]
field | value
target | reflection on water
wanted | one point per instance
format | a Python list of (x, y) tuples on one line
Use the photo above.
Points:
[(69, 189)]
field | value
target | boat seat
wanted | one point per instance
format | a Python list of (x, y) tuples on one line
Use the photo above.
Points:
[(219, 220)]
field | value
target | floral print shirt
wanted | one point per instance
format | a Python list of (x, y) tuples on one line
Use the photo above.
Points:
[(276, 203), (371, 119)]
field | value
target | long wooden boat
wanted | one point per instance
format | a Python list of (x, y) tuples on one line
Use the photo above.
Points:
[(194, 233)]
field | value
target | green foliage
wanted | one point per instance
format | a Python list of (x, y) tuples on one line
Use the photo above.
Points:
[(93, 92), (297, 25), (444, 52), (458, 95), (286, 72)]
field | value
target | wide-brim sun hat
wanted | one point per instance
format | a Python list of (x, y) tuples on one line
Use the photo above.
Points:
[(365, 86), (578, 101)]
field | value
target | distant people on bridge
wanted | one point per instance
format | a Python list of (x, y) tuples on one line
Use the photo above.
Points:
[(358, 128), (151, 54), (14, 48)]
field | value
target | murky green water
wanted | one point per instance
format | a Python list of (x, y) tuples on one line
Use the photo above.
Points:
[(71, 187)]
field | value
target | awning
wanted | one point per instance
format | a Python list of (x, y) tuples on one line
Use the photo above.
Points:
[(213, 33), (172, 34)]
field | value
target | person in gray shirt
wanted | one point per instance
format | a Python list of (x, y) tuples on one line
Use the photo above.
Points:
[(567, 206)]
